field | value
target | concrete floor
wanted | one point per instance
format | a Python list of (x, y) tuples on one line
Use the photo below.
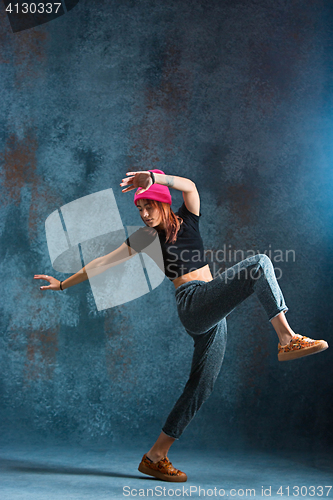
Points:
[(58, 472)]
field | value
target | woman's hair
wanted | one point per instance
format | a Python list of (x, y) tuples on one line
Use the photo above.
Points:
[(171, 221)]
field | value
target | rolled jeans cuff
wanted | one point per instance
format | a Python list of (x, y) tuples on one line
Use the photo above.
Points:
[(173, 437), (285, 309)]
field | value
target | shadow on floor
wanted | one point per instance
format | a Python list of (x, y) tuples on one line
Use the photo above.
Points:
[(32, 467)]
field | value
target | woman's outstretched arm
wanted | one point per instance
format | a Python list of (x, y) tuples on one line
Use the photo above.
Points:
[(96, 266), (144, 180)]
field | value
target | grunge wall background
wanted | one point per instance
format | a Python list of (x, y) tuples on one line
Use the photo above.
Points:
[(235, 95)]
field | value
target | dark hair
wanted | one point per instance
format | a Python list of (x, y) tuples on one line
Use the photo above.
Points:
[(171, 221)]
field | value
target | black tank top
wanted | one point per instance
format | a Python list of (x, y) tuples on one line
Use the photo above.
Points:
[(185, 255)]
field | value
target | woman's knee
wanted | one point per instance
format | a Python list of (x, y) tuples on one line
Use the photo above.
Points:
[(263, 257), (265, 262), (255, 261), (267, 268)]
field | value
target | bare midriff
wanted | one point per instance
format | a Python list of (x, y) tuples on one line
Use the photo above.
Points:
[(202, 274)]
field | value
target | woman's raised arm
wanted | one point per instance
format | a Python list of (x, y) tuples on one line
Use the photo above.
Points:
[(144, 180), (190, 193)]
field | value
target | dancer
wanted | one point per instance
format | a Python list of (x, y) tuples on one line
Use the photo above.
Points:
[(203, 302)]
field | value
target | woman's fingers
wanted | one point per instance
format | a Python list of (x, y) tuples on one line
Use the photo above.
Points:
[(140, 172), (53, 282), (127, 182), (131, 183)]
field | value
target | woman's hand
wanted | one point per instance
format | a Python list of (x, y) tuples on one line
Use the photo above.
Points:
[(137, 180), (54, 283)]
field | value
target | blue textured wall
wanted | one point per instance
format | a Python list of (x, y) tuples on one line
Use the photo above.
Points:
[(237, 96)]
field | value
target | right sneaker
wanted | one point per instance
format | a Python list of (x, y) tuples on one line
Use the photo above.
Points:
[(162, 470), (300, 346)]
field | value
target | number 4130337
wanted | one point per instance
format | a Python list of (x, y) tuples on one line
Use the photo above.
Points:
[(304, 491), (33, 8)]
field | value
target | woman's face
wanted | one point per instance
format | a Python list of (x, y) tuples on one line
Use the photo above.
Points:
[(150, 215)]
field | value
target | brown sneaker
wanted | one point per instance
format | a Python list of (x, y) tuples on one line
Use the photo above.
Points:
[(162, 470), (300, 346)]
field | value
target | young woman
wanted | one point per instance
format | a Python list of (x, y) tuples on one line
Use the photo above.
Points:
[(202, 302)]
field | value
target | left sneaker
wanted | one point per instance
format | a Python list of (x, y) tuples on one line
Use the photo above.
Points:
[(162, 470), (300, 346)]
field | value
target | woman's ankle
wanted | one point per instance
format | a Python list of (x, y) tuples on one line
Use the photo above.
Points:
[(285, 338), (155, 456)]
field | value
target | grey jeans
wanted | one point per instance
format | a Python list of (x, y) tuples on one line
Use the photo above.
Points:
[(202, 308)]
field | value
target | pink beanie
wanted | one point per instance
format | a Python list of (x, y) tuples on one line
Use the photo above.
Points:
[(155, 192)]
